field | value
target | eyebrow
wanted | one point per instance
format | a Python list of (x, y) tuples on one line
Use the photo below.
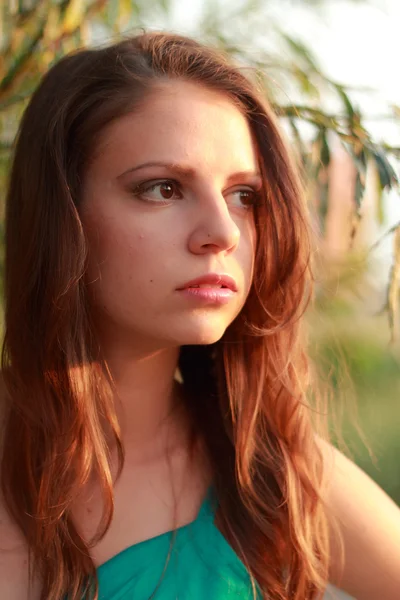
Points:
[(187, 172)]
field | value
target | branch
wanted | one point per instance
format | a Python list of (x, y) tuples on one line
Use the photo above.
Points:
[(15, 100), (14, 70), (93, 8), (388, 232)]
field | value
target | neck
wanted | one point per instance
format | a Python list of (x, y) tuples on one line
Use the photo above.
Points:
[(149, 401)]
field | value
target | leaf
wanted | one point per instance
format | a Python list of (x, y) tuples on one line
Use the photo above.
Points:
[(325, 151), (301, 51), (52, 27), (376, 189), (323, 204), (165, 5), (315, 158), (359, 191), (73, 15), (360, 159), (346, 101), (113, 14), (380, 212), (298, 140), (394, 288), (305, 83), (387, 174), (22, 60), (128, 11)]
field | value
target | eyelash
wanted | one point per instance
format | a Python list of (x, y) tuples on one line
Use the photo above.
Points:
[(140, 190)]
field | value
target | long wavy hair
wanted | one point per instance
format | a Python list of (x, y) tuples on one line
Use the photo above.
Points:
[(250, 393)]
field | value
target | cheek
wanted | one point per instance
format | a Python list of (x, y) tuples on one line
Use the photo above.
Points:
[(114, 250), (250, 247), (124, 257)]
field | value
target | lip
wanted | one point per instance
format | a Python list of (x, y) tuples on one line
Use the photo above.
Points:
[(213, 279)]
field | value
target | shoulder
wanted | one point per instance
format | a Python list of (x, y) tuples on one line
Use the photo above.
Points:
[(13, 548), (14, 579), (369, 524)]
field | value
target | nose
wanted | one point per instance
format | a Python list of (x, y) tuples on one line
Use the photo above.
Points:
[(215, 230)]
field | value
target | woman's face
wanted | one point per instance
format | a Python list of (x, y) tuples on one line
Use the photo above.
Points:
[(154, 227)]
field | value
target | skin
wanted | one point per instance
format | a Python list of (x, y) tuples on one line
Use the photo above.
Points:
[(369, 522)]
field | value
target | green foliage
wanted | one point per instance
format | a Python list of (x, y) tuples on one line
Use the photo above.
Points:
[(348, 355)]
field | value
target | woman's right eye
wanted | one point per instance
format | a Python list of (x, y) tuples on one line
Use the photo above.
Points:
[(158, 191)]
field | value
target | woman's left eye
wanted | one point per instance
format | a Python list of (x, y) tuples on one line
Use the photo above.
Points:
[(158, 191), (247, 196)]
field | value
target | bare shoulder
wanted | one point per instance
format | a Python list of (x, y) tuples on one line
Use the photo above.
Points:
[(13, 548), (14, 580), (370, 527)]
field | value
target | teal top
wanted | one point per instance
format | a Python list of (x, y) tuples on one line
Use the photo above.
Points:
[(201, 565)]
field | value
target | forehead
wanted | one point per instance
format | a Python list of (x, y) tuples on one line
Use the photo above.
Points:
[(183, 122)]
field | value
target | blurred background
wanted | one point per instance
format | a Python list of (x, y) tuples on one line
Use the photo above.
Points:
[(328, 69)]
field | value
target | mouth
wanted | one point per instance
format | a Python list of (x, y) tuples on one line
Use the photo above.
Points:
[(209, 286), (208, 294), (215, 281)]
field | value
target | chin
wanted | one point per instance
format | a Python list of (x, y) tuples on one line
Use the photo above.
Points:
[(203, 339), (201, 335), (203, 329), (204, 336)]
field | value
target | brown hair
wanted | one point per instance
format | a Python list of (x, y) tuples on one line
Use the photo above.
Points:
[(249, 392)]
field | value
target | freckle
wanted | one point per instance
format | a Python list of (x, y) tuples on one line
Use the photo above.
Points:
[(151, 281)]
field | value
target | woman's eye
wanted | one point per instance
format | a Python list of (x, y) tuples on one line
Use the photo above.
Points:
[(247, 197), (161, 191)]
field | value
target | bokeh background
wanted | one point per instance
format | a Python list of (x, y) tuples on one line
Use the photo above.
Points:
[(329, 69)]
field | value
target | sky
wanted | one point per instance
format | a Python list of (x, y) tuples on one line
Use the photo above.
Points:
[(356, 43)]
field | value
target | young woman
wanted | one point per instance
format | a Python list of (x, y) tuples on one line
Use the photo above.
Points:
[(157, 435)]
